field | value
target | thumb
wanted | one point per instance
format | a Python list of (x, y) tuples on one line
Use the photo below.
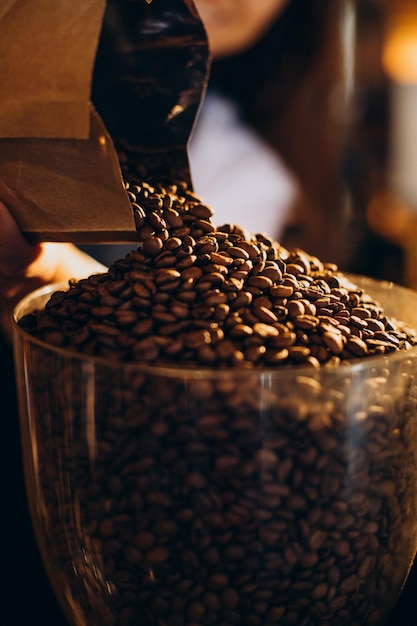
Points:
[(16, 253)]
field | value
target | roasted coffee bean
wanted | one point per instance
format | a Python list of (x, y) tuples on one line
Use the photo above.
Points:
[(152, 245)]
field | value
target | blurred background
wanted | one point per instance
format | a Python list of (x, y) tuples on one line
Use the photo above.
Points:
[(344, 121)]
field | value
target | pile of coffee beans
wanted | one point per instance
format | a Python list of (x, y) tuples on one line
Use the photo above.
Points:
[(189, 478), (200, 295)]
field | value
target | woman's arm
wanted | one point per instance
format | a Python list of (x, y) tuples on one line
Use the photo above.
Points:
[(24, 267)]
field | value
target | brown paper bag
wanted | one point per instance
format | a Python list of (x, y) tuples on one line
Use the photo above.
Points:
[(47, 51), (67, 189), (144, 64), (59, 170)]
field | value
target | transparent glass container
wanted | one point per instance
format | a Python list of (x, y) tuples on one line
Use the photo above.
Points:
[(174, 496)]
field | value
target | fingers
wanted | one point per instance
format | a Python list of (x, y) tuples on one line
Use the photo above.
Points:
[(25, 267), (68, 262), (47, 262)]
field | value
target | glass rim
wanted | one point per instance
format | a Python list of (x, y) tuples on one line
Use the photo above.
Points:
[(199, 372)]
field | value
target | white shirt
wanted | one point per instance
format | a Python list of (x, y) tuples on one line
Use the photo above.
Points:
[(236, 173)]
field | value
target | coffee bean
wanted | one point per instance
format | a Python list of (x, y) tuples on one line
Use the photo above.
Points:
[(356, 346), (333, 341)]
